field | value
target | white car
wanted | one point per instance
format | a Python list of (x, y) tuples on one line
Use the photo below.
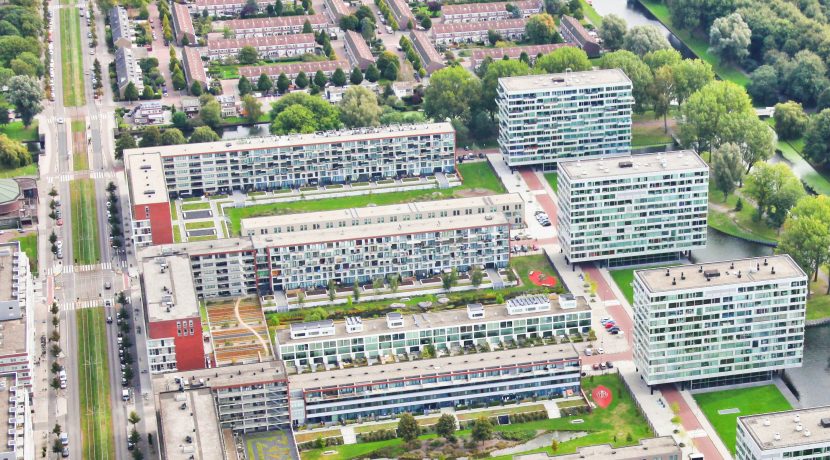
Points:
[(59, 244), (60, 121)]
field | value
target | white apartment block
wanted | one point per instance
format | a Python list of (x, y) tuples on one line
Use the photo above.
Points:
[(495, 11), (266, 27), (719, 323), (509, 204), (269, 47), (633, 209), (801, 434), (547, 118), (296, 160), (476, 32)]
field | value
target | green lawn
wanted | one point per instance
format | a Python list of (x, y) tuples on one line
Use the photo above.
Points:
[(28, 170), (195, 206), (80, 160), (698, 43), (71, 58), (644, 136), (201, 238), (624, 277), (199, 225), (16, 131), (85, 245), (750, 401), (553, 181), (28, 244), (174, 214), (791, 150), (506, 410), (591, 13), (818, 306), (476, 176), (93, 385), (264, 446), (177, 234), (740, 224)]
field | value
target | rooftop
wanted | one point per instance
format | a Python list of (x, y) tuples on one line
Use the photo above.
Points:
[(184, 22), (459, 27), (196, 248), (221, 377), (445, 365), (146, 176), (168, 288), (650, 448), (280, 21), (8, 262), (587, 78), (377, 230), (190, 414), (631, 165), (725, 273), (779, 430), (577, 28), (348, 215), (13, 340), (257, 42), (514, 52), (291, 68), (436, 319), (468, 8), (358, 45), (324, 137), (194, 65)]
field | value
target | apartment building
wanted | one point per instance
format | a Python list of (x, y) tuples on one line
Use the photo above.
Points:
[(633, 209), (572, 31), (194, 66), (357, 50), (330, 344), (547, 118), (183, 24), (662, 448), (293, 69), (149, 113), (128, 71), (174, 327), (298, 160), (476, 32), (270, 47), (281, 25), (510, 204), (336, 9), (721, 323), (246, 398), (227, 105), (793, 434), (121, 27), (151, 220), (402, 14), (495, 11), (513, 52), (428, 385), (224, 8), (431, 59)]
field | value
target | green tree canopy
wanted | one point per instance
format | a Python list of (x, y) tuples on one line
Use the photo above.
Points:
[(25, 95), (451, 94), (790, 120), (408, 428), (301, 81), (211, 113), (612, 31), (252, 108), (359, 107), (151, 137), (775, 189), (805, 235), (264, 83), (643, 39), (729, 38), (338, 78), (172, 136), (706, 114), (817, 138), (541, 29), (244, 86), (660, 58), (727, 168), (13, 154), (763, 85), (482, 429), (324, 115), (203, 134), (636, 70), (567, 57), (283, 83), (690, 75), (445, 427), (294, 119)]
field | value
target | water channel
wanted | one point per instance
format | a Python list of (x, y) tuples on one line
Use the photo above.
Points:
[(636, 14)]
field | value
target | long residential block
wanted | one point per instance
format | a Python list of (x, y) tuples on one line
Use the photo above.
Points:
[(431, 58), (291, 70), (495, 11), (298, 160), (476, 32), (357, 50), (224, 7), (573, 31), (194, 66), (151, 218), (547, 118), (183, 24), (801, 434), (633, 209), (283, 25), (269, 47), (127, 71), (512, 52), (720, 323), (121, 27)]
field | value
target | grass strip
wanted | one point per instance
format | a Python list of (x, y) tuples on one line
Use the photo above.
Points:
[(71, 58), (28, 170), (94, 385), (28, 244), (16, 131), (85, 246)]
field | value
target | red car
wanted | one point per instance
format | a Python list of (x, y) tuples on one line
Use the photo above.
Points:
[(609, 324), (60, 221)]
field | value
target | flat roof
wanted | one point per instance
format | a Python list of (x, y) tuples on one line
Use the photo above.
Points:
[(291, 140), (365, 212), (751, 270), (5, 404), (168, 281), (647, 448), (377, 230), (196, 248), (220, 377), (445, 318), (632, 165), (146, 175), (784, 424), (587, 78), (14, 336), (7, 265), (477, 26), (190, 413), (445, 365)]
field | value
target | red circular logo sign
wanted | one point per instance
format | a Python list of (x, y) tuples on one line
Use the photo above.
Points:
[(602, 396)]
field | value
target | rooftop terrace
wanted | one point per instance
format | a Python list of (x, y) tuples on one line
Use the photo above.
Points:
[(168, 288), (630, 165), (789, 429), (190, 414), (565, 80)]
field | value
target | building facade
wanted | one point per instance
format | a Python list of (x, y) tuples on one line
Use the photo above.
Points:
[(336, 9), (151, 219), (572, 31), (802, 434), (149, 113), (430, 57), (547, 118), (633, 209), (719, 323), (128, 71), (121, 27), (495, 11), (282, 25), (357, 50), (512, 52), (298, 160), (291, 70), (269, 47), (402, 14), (477, 32), (223, 8)]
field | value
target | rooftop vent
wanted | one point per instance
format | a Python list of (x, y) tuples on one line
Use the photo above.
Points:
[(626, 164), (777, 436), (711, 273)]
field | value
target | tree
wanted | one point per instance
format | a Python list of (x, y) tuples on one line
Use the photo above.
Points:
[(307, 27), (482, 429), (301, 81), (817, 138), (567, 57), (244, 86), (283, 83), (690, 75), (13, 154), (294, 119), (490, 81), (325, 116), (426, 23), (133, 418), (180, 120), (612, 31), (445, 427), (763, 85), (773, 187), (729, 38), (388, 65), (805, 235), (151, 137), (805, 77), (790, 120), (408, 428), (727, 168), (554, 445), (25, 95), (705, 115), (643, 39), (372, 73), (451, 94), (541, 29), (356, 290), (755, 139), (211, 113), (125, 141), (178, 79), (359, 107), (448, 280), (476, 276), (662, 58), (661, 93), (367, 29), (636, 70), (196, 89), (320, 79), (252, 108), (278, 8), (172, 136), (332, 290), (338, 78), (264, 83), (248, 55), (356, 77), (131, 92), (203, 134), (493, 37)]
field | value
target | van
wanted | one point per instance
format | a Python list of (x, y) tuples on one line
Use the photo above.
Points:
[(62, 375), (125, 395), (64, 439)]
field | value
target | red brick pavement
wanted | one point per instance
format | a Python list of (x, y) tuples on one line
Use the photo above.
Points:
[(691, 423), (531, 179), (603, 290)]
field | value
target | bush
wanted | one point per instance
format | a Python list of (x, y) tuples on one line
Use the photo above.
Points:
[(380, 435)]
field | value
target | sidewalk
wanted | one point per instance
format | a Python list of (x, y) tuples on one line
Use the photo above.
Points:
[(695, 424)]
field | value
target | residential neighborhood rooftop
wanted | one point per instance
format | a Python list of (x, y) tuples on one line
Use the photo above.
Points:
[(278, 21), (628, 165), (565, 80), (146, 177), (169, 292), (190, 425), (789, 429), (460, 27), (258, 42), (220, 377)]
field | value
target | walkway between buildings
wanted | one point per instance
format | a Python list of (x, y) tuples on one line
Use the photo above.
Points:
[(693, 421)]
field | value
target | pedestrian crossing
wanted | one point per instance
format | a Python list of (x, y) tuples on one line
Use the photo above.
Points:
[(101, 115), (70, 176), (84, 268), (81, 304)]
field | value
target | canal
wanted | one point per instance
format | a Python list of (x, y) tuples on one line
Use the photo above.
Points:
[(636, 14)]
